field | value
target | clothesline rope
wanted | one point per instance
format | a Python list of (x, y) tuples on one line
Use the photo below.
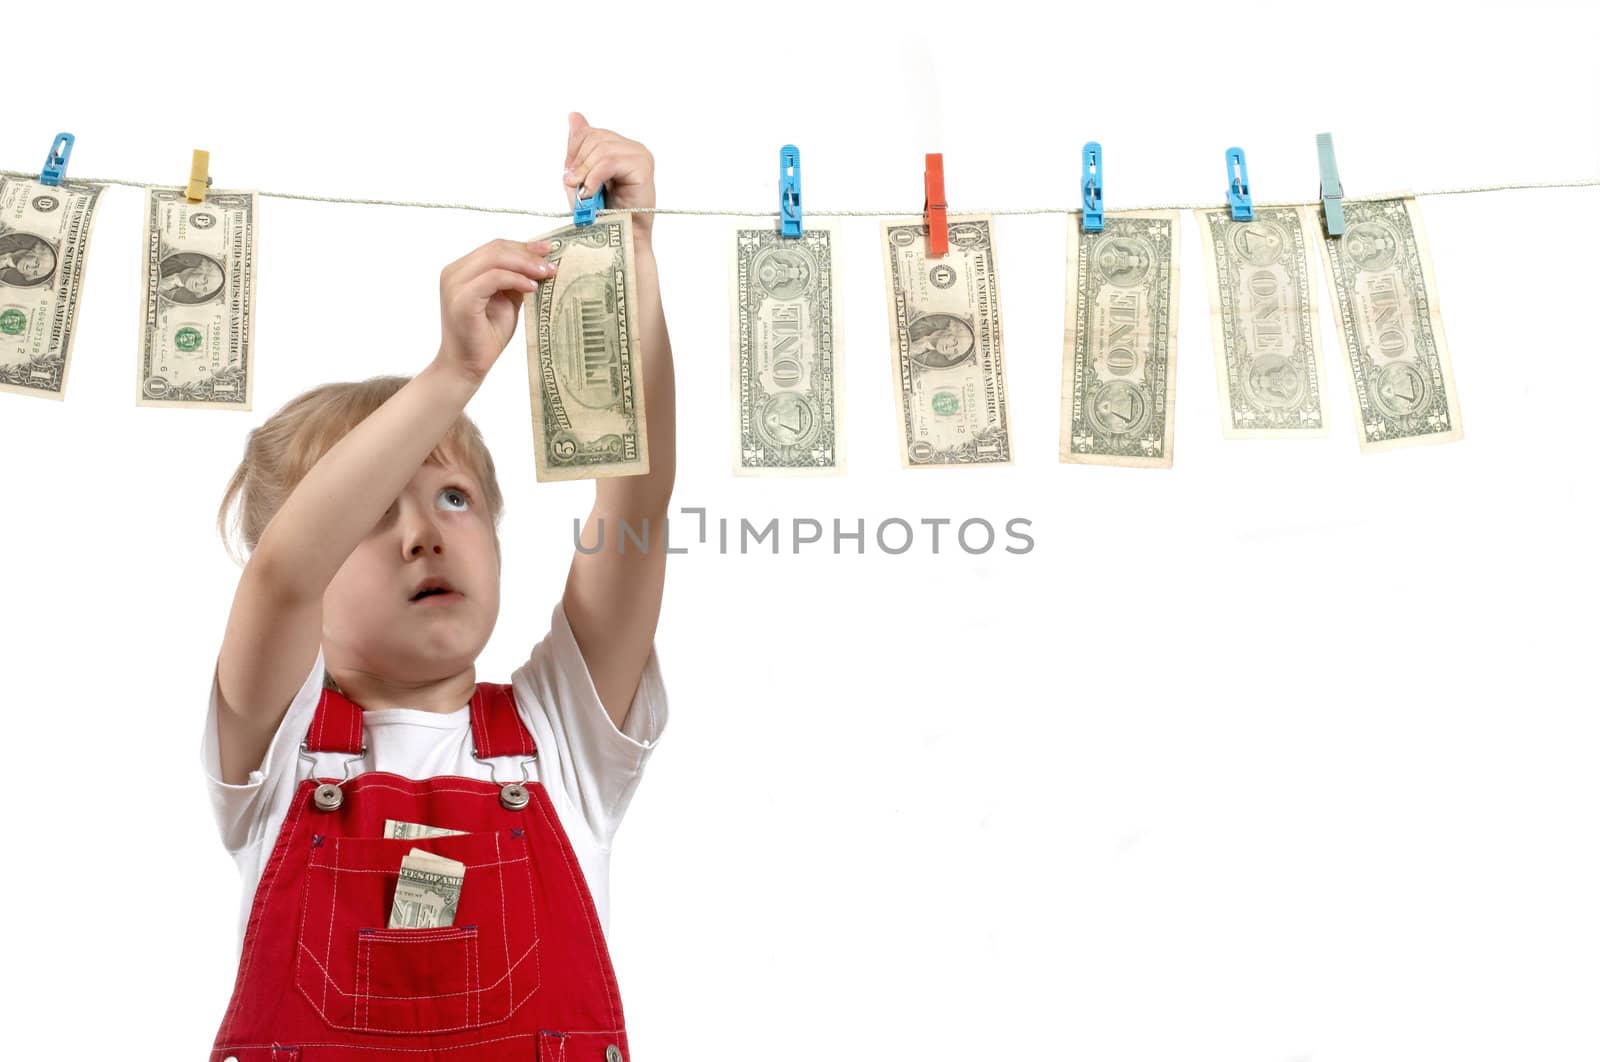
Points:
[(1576, 183)]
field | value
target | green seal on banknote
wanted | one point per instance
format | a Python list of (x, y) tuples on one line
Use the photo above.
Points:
[(13, 321), (946, 403), (186, 338)]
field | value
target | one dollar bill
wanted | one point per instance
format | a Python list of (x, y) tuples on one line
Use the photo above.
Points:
[(948, 358), (427, 892), (44, 240), (1121, 339), (584, 374), (1387, 305), (788, 409), (1264, 331), (413, 830), (197, 329)]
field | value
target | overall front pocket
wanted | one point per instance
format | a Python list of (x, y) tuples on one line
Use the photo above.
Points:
[(411, 977), (362, 976)]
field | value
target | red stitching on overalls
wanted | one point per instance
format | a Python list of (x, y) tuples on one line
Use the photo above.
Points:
[(531, 949), (320, 718), (333, 906), (514, 999), (469, 866), (278, 912), (259, 904), (386, 1048), (363, 955), (480, 724), (473, 993), (604, 963), (505, 936), (354, 742), (538, 970)]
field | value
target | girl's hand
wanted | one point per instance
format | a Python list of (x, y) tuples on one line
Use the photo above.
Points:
[(599, 157), (480, 298)]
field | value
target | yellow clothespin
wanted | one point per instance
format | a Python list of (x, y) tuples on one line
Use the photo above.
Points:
[(199, 179)]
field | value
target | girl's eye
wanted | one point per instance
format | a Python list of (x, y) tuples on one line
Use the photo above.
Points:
[(464, 497)]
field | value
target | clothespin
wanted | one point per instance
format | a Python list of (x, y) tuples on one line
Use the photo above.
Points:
[(55, 163), (933, 205), (1239, 186), (1332, 188), (789, 189), (583, 209), (199, 178), (1094, 217)]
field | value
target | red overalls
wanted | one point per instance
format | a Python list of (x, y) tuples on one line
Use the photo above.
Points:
[(522, 973)]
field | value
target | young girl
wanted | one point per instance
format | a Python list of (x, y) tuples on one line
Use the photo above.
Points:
[(348, 727)]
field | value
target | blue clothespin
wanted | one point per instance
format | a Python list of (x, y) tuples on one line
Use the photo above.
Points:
[(583, 209), (1239, 186), (1332, 189), (55, 163), (789, 189), (1094, 217)]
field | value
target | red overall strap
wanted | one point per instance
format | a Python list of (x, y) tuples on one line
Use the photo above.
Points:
[(497, 729), (336, 726)]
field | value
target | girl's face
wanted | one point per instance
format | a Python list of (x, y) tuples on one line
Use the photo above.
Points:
[(437, 527)]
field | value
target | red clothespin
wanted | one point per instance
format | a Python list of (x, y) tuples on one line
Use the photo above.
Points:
[(933, 206)]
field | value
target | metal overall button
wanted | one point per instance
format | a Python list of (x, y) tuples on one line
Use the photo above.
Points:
[(328, 796), (613, 1053), (513, 795)]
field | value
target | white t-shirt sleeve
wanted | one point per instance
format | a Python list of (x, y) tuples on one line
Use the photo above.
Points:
[(241, 810), (597, 766)]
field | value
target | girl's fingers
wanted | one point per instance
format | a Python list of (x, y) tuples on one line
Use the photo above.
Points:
[(503, 254), (589, 140), (610, 161), (575, 138), (515, 257), (577, 132), (604, 169), (585, 154), (485, 286), (594, 151)]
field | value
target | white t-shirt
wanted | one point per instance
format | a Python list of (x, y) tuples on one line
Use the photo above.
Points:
[(589, 767)]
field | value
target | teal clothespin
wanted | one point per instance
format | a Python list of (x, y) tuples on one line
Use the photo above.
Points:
[(1239, 186), (1332, 189), (1094, 218), (583, 209), (55, 163), (789, 189)]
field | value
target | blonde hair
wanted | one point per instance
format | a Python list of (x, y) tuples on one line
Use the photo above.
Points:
[(279, 453)]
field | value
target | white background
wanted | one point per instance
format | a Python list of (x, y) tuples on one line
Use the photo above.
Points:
[(1284, 754)]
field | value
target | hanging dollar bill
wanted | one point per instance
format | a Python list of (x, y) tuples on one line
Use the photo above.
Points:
[(44, 238), (1117, 387), (587, 390), (1388, 312), (427, 891), (196, 348), (1264, 331), (788, 408), (949, 362)]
